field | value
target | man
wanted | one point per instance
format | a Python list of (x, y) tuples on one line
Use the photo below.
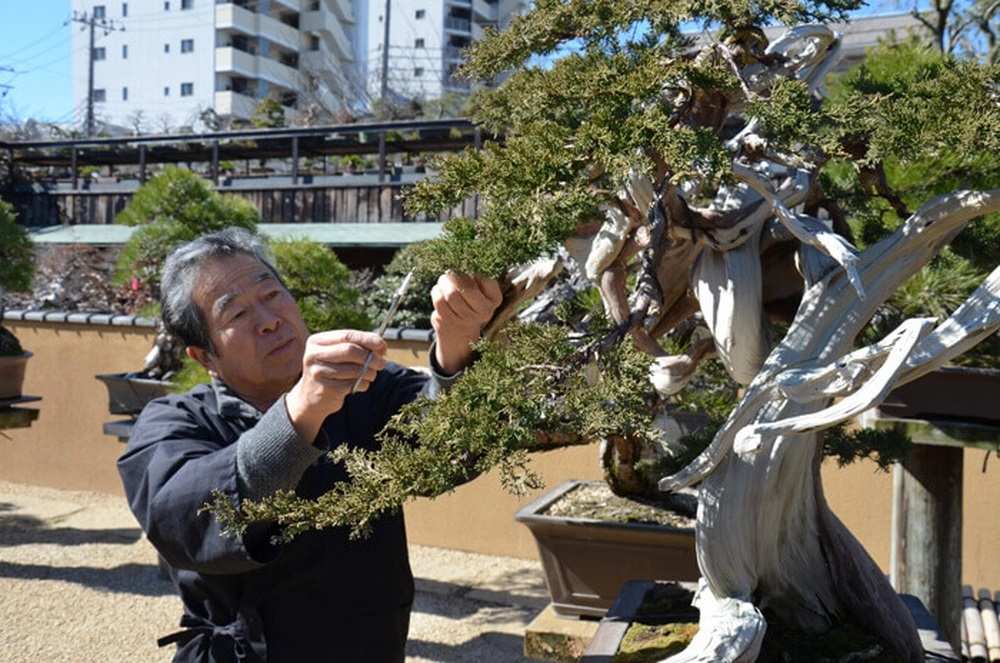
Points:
[(279, 399)]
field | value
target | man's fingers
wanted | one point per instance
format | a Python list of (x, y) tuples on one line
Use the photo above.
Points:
[(344, 353), (340, 372), (367, 340), (491, 290), (465, 295)]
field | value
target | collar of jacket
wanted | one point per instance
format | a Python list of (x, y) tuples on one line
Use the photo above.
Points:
[(230, 404)]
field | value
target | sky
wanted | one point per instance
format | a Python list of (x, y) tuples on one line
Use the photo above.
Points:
[(35, 57)]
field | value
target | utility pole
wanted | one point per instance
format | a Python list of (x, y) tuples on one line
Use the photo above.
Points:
[(385, 90), (108, 27)]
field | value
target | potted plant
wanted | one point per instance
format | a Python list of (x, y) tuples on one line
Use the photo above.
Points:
[(16, 269), (691, 187)]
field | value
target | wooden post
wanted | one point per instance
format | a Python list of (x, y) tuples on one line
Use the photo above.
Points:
[(142, 163), (295, 159), (74, 168), (929, 556)]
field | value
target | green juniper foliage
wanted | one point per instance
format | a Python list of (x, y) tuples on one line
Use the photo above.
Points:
[(172, 208), (623, 91), (17, 267)]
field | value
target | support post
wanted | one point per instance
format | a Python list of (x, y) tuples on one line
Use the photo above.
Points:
[(295, 159), (74, 168), (929, 556), (142, 163), (215, 162)]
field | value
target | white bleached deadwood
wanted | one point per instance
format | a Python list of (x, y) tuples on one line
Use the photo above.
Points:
[(608, 242), (525, 283), (728, 287), (764, 527), (669, 375)]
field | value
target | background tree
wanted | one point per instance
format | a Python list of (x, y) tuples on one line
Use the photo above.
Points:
[(694, 187), (16, 269)]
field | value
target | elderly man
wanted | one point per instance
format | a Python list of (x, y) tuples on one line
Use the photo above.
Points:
[(279, 399)]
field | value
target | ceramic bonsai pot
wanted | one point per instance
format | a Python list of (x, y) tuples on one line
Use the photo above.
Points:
[(128, 395), (12, 375), (586, 561)]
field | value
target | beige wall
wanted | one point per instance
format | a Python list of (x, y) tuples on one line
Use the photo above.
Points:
[(65, 448)]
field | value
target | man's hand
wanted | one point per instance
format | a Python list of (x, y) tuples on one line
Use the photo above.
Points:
[(331, 364), (463, 305)]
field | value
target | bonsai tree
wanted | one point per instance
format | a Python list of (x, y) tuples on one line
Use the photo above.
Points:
[(173, 207), (700, 188), (16, 269)]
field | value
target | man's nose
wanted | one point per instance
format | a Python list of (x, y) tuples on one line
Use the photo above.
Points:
[(269, 321)]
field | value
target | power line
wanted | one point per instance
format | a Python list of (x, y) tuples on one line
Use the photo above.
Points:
[(16, 51)]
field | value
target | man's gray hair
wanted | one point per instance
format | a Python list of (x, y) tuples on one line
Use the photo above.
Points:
[(181, 316)]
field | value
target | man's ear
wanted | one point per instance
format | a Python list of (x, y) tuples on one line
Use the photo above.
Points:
[(203, 357)]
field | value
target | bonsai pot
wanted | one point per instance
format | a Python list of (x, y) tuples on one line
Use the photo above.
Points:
[(128, 395), (12, 375), (953, 392), (586, 561), (665, 622)]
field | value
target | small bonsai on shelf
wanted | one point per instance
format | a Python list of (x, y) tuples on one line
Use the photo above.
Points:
[(17, 267)]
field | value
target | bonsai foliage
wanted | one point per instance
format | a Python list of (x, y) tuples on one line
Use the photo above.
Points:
[(710, 192), (174, 207), (16, 269), (320, 284)]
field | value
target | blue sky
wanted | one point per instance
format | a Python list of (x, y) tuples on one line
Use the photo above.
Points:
[(36, 45)]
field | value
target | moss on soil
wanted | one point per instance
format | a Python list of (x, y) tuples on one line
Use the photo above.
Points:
[(647, 644), (597, 502)]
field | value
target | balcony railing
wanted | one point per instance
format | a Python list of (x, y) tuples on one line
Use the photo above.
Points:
[(459, 24)]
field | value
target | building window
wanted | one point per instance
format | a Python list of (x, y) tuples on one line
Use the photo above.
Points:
[(313, 43), (166, 91), (418, 43), (99, 54), (166, 48), (187, 45), (124, 51), (421, 13), (124, 94), (187, 4), (187, 89), (100, 95), (99, 11), (166, 6), (124, 9), (418, 72)]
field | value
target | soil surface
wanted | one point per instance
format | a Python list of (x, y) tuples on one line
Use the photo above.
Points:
[(596, 502)]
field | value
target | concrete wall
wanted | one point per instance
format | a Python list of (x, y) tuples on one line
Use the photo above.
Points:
[(65, 448)]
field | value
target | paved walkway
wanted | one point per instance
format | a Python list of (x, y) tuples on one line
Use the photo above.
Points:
[(79, 582)]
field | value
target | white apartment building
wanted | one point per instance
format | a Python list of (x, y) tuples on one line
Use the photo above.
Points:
[(176, 58), (426, 38)]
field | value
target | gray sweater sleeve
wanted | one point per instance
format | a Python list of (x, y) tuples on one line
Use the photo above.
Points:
[(271, 456)]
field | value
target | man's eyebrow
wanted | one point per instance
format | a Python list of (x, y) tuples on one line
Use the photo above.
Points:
[(225, 300)]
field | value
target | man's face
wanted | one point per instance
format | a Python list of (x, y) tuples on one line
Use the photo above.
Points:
[(255, 325)]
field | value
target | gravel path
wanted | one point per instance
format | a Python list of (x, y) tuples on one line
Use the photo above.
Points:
[(79, 582)]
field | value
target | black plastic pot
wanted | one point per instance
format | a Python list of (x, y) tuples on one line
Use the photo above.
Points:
[(128, 395), (587, 561)]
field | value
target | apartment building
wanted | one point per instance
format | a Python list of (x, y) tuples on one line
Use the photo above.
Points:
[(426, 39), (176, 58)]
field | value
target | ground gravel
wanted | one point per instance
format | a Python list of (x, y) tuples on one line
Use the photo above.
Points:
[(79, 582)]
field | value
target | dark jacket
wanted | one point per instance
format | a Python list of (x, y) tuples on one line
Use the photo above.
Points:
[(320, 597)]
